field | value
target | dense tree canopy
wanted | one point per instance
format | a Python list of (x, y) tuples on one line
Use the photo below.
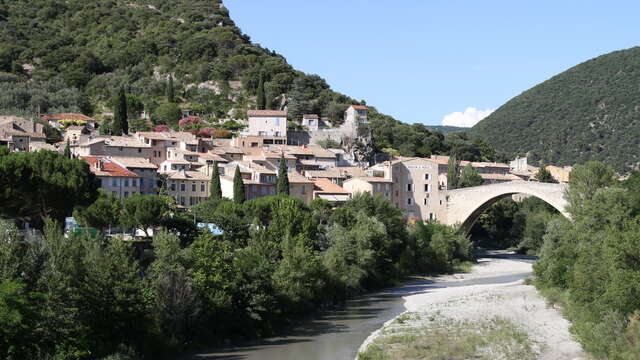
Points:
[(469, 176), (277, 258), (592, 261), (43, 184)]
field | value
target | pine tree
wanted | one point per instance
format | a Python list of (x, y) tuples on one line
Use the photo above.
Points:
[(469, 177), (543, 175), (67, 150), (238, 187), (170, 90), (453, 172), (120, 123), (283, 178), (216, 190), (261, 99)]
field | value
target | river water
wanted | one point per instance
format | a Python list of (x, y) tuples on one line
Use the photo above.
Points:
[(337, 334)]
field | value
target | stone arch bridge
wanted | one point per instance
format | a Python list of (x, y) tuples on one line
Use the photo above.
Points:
[(464, 206)]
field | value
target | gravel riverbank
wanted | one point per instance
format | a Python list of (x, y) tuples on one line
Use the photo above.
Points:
[(483, 296)]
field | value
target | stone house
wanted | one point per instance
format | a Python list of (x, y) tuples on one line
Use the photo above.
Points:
[(267, 123), (188, 187), (114, 179), (147, 171), (371, 184), (311, 122), (333, 193)]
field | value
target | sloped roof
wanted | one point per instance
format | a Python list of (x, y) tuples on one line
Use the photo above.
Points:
[(69, 116), (134, 162), (326, 186), (269, 113), (109, 167), (188, 175), (372, 179), (296, 178)]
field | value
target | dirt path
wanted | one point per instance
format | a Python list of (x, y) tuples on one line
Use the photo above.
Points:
[(473, 298)]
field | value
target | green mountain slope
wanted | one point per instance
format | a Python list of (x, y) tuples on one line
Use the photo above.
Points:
[(88, 49), (74, 55), (589, 112)]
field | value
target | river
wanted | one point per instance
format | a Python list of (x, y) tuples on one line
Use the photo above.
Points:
[(337, 334)]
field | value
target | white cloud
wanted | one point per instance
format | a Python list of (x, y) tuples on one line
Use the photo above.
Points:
[(468, 118)]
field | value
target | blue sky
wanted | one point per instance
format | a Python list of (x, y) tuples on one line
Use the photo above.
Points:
[(421, 60)]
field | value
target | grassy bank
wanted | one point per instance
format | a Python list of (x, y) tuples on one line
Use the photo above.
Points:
[(443, 338)]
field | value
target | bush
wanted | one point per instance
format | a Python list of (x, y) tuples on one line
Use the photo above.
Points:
[(167, 114)]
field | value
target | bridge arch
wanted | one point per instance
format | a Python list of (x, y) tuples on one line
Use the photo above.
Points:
[(464, 206)]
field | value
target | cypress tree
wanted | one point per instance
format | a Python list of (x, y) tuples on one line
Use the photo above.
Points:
[(170, 91), (67, 150), (261, 99), (453, 172), (283, 178), (216, 190), (238, 187), (120, 124)]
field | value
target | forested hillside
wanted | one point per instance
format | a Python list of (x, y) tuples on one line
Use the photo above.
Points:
[(589, 112), (81, 51), (68, 56)]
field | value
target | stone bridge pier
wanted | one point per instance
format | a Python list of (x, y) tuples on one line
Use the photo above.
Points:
[(464, 206)]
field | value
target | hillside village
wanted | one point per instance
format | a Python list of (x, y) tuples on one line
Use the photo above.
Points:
[(180, 164)]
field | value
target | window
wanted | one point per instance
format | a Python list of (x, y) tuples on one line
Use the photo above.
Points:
[(193, 187), (134, 183), (183, 188), (139, 150), (126, 193), (427, 187), (173, 187), (141, 182), (126, 182), (202, 187), (409, 187), (409, 201), (425, 201), (114, 182), (427, 176), (182, 200), (432, 216), (304, 189)]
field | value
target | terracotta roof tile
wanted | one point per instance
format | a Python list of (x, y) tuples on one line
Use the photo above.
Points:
[(326, 186), (69, 116), (108, 168), (267, 113)]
